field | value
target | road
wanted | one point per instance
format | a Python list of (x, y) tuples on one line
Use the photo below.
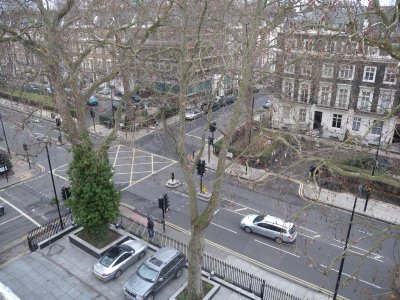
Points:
[(141, 172)]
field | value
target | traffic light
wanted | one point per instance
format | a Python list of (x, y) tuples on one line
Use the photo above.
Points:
[(213, 126), (25, 146), (160, 203), (92, 113), (58, 122), (203, 167), (63, 193), (198, 167), (166, 202)]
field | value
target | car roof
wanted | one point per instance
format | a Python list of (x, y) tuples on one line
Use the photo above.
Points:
[(277, 221), (161, 257)]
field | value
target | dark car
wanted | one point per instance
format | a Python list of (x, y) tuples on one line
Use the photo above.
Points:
[(1, 210), (32, 87), (230, 99), (5, 163), (116, 104)]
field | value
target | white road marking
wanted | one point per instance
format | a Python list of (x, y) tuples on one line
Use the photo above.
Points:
[(116, 156), (223, 227), (364, 281), (10, 220), (215, 212), (373, 256), (307, 236), (197, 137), (277, 248), (240, 209), (20, 211), (364, 232), (308, 229), (132, 164), (233, 211)]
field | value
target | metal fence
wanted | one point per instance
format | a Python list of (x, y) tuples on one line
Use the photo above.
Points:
[(231, 274), (47, 230)]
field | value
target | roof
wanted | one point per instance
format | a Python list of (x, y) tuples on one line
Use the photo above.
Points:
[(161, 257)]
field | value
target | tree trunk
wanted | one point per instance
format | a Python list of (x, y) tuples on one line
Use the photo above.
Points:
[(195, 256)]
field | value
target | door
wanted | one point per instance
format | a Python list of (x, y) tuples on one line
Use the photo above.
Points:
[(317, 119)]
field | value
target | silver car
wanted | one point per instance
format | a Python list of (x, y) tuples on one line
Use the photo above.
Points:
[(270, 227), (193, 114), (118, 259)]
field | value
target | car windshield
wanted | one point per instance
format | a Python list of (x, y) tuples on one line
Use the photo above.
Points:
[(147, 273), (258, 219), (292, 230), (111, 256)]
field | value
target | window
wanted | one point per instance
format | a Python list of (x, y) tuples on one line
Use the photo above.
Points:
[(289, 69), (99, 63), (98, 50), (90, 63), (385, 101), (373, 51), (307, 45), (343, 96), (330, 47), (304, 92), (365, 99), (349, 48), (74, 59), (346, 72), (377, 128), (356, 123), (390, 76), (325, 92), (327, 70), (369, 74), (288, 88), (302, 115), (108, 65), (337, 121), (306, 70), (291, 44)]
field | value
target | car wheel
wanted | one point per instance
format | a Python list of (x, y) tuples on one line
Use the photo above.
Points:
[(247, 229), (179, 273), (278, 240), (118, 274), (150, 297), (142, 254)]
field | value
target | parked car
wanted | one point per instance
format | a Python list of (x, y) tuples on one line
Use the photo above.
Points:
[(155, 273), (1, 210), (230, 99), (118, 259), (48, 90), (118, 95), (32, 87), (93, 101), (5, 162), (192, 114), (116, 104), (270, 227), (267, 104)]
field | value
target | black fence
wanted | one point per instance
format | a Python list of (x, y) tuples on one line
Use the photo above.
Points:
[(47, 230), (231, 274)]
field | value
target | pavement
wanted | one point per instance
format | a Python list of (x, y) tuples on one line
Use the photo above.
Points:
[(63, 271)]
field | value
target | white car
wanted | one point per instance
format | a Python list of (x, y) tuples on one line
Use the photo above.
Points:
[(192, 114)]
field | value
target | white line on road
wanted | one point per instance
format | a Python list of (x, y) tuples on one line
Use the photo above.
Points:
[(197, 137), (364, 232), (307, 236), (10, 220), (240, 209), (232, 211), (308, 229), (216, 211), (20, 211), (276, 248), (374, 257), (223, 227), (369, 283)]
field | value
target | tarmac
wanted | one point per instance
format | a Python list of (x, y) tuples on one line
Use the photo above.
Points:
[(63, 271)]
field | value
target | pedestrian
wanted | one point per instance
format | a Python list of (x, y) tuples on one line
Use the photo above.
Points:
[(150, 227)]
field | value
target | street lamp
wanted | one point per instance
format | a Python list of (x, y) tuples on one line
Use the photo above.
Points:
[(5, 136), (54, 186), (345, 248)]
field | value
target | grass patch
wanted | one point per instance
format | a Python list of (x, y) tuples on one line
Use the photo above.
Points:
[(40, 100), (111, 237), (206, 288)]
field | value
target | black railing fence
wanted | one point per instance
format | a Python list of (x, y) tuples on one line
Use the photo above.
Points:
[(47, 230), (231, 274)]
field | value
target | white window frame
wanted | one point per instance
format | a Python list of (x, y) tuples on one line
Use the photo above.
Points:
[(340, 101), (100, 63), (288, 83), (308, 45), (304, 91), (346, 72), (337, 121), (306, 70), (325, 95), (364, 104), (373, 51), (328, 46), (356, 124), (98, 50), (108, 65), (390, 76), (327, 70), (385, 105), (302, 115), (349, 48), (90, 64), (289, 69), (369, 70), (291, 44), (377, 127)]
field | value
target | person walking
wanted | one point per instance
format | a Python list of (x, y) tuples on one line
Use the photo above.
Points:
[(150, 227)]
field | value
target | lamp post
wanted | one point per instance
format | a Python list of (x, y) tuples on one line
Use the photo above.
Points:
[(5, 136), (54, 186), (344, 249)]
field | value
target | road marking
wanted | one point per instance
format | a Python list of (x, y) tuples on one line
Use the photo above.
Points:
[(233, 211), (215, 212), (223, 227), (132, 164), (277, 248), (364, 232), (358, 279), (240, 209), (307, 236), (308, 229), (197, 137), (374, 256), (10, 220), (20, 211)]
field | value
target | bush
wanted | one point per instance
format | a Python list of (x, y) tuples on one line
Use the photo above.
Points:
[(104, 118)]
